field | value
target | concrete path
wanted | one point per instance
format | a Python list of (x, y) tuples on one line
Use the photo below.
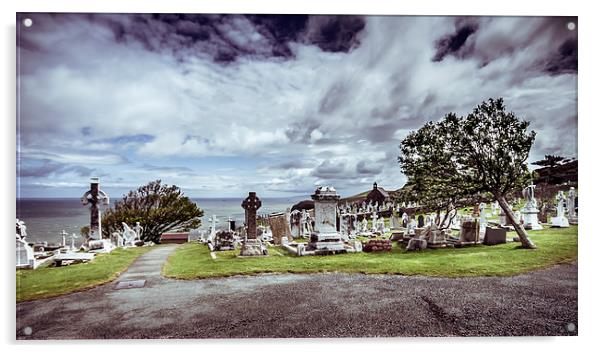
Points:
[(319, 305)]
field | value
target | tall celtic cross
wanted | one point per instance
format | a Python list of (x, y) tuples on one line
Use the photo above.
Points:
[(251, 204), (95, 197)]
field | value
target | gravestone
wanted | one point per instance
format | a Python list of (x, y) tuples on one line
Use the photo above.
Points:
[(213, 228), (64, 238), (224, 240), (280, 228), (469, 232), (482, 219), (571, 205), (325, 238), (435, 238), (252, 246), (420, 221), (374, 222), (560, 221), (24, 253), (529, 211), (494, 236), (128, 235), (95, 197)]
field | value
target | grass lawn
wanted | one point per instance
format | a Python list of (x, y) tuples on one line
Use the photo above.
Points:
[(46, 282), (192, 260)]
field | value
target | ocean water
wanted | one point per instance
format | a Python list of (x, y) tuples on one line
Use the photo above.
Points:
[(46, 218)]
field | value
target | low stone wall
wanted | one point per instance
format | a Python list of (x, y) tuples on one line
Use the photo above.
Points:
[(374, 245)]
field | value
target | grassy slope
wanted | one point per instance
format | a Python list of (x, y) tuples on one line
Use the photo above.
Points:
[(555, 246), (46, 282)]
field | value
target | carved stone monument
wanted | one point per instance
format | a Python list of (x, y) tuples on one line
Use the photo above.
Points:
[(252, 246), (530, 212), (95, 197), (325, 237), (572, 207), (24, 255), (560, 221)]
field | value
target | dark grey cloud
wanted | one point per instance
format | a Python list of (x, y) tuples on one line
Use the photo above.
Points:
[(565, 58), (365, 167), (335, 33), (453, 42), (226, 102)]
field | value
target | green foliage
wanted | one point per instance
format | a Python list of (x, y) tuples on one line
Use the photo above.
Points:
[(556, 245), (158, 208), (465, 157)]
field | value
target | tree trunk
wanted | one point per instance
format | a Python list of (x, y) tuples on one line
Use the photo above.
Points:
[(522, 234)]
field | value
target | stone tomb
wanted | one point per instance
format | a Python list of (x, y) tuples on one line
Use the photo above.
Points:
[(224, 240), (494, 236), (469, 233), (325, 236)]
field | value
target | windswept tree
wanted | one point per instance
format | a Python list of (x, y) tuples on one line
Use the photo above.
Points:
[(428, 163), (460, 157), (158, 208)]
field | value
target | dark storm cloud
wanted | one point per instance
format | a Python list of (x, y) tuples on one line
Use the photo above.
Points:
[(565, 58), (451, 43), (279, 102), (335, 33), (225, 38)]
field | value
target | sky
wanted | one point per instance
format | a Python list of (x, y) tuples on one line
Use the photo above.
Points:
[(221, 105)]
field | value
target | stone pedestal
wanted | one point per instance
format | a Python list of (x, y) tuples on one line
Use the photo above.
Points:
[(530, 219), (253, 247), (494, 236), (560, 222)]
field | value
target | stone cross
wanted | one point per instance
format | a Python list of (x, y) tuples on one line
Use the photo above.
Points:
[(64, 241), (374, 221), (95, 197), (213, 221), (73, 236), (251, 204)]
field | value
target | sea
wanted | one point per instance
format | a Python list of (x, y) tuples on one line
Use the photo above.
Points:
[(46, 218)]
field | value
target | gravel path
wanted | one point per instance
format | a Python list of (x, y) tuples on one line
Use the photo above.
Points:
[(314, 305)]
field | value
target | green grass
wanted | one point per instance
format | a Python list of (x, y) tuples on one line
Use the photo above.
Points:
[(192, 260), (46, 282)]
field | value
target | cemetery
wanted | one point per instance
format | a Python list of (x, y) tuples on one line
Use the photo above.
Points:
[(436, 226)]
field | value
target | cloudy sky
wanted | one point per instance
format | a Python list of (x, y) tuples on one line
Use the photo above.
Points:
[(223, 105)]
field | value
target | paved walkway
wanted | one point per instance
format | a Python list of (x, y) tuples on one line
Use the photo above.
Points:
[(314, 305)]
